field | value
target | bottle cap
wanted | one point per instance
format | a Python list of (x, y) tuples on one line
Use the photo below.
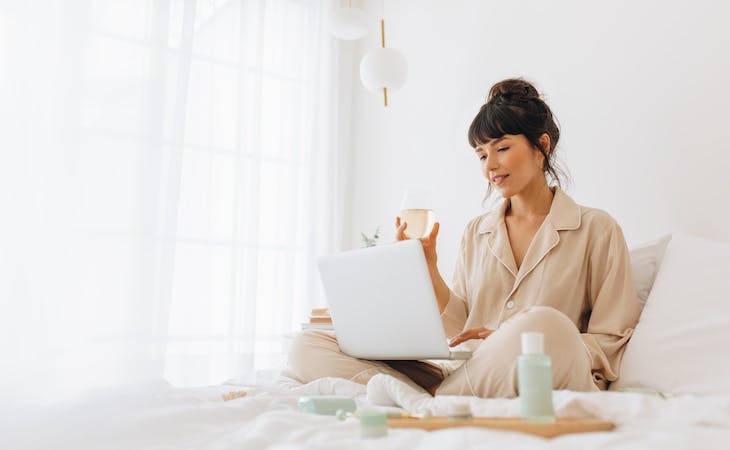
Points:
[(533, 343), (460, 409)]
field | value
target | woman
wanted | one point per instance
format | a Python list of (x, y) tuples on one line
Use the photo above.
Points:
[(539, 262)]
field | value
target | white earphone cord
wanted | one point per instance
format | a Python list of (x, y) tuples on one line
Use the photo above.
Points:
[(468, 378)]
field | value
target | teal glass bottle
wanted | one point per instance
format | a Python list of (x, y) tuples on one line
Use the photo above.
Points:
[(535, 380)]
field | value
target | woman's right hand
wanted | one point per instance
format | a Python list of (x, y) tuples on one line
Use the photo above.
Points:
[(428, 242), (440, 288)]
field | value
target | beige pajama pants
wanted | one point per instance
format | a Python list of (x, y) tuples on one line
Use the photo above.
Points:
[(491, 371)]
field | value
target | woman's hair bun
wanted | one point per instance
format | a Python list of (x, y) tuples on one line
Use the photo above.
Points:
[(513, 89)]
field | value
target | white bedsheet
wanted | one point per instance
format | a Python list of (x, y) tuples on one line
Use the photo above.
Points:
[(158, 416)]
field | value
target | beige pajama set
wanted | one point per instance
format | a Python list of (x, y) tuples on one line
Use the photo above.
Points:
[(575, 285)]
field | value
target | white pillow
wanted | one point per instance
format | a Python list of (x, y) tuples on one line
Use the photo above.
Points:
[(681, 342), (645, 261)]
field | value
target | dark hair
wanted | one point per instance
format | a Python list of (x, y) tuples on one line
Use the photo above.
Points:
[(514, 107)]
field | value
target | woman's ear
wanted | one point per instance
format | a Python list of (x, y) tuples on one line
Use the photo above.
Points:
[(545, 142)]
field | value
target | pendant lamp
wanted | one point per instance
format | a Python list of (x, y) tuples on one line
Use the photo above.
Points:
[(349, 23), (383, 68)]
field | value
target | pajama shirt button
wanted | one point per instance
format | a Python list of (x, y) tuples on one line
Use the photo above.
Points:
[(510, 304)]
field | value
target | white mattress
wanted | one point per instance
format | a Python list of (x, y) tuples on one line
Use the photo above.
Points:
[(158, 416)]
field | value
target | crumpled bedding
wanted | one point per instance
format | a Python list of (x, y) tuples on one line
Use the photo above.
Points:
[(158, 416)]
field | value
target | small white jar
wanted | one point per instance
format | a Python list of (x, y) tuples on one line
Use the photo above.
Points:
[(373, 424)]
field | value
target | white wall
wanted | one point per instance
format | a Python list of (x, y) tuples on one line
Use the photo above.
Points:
[(640, 90)]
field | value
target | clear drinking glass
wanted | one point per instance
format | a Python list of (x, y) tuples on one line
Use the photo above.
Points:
[(415, 210)]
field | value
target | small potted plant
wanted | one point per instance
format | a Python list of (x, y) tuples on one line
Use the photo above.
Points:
[(371, 241)]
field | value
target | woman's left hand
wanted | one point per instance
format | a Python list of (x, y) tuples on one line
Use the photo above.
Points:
[(470, 333)]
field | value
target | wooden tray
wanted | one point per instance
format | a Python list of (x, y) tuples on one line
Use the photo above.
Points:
[(548, 430)]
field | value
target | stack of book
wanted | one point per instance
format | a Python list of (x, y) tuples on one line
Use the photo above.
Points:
[(319, 319)]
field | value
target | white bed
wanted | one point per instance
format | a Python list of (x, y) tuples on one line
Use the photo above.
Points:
[(157, 416), (679, 348)]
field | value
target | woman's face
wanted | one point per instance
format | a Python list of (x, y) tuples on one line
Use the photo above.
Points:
[(511, 163)]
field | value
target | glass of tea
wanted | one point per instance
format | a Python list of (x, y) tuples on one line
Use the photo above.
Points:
[(415, 210)]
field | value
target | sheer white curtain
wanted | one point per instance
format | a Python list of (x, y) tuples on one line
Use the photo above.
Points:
[(168, 173)]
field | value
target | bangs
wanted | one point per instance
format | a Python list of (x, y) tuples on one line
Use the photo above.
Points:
[(494, 121)]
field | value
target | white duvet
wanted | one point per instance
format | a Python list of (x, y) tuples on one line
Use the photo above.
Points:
[(158, 416)]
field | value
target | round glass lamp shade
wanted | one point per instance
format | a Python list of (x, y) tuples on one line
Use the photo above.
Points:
[(383, 68), (349, 24)]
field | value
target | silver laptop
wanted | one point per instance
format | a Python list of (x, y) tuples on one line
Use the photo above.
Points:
[(383, 305)]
